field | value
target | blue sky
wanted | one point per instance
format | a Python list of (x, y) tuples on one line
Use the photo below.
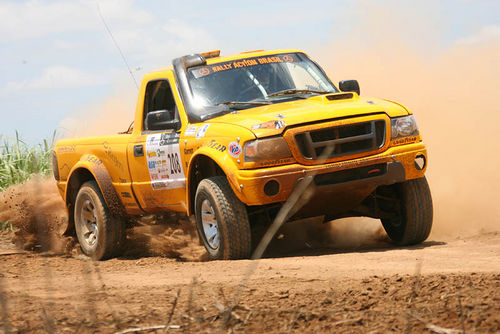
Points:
[(58, 60)]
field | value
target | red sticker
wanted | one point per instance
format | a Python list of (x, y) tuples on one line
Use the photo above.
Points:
[(204, 71), (234, 149)]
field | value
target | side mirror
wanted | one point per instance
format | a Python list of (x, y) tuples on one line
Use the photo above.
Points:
[(349, 86), (161, 120)]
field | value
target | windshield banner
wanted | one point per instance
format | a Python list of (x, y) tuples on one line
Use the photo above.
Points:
[(230, 65)]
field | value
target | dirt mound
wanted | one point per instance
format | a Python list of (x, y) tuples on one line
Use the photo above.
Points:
[(38, 216)]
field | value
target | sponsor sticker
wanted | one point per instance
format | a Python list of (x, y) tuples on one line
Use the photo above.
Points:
[(234, 149), (190, 131), (270, 125), (66, 149), (215, 145), (163, 159), (201, 131)]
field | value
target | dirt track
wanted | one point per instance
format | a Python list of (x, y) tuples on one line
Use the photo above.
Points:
[(338, 277), (373, 288)]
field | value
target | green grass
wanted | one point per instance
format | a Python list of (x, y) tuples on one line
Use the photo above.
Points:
[(4, 226), (18, 160)]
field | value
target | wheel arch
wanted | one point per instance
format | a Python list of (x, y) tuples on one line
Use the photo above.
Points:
[(91, 169), (201, 166)]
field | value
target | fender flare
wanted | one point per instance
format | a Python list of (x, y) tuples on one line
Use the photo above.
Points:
[(223, 161), (91, 164)]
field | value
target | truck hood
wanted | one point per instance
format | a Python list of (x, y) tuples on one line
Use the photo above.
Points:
[(272, 119)]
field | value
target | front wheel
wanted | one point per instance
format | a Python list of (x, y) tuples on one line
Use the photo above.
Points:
[(222, 220), (413, 207), (100, 235)]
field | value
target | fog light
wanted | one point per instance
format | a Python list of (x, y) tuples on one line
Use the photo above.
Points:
[(420, 162), (271, 188)]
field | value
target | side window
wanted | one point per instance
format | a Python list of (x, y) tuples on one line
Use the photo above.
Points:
[(159, 98)]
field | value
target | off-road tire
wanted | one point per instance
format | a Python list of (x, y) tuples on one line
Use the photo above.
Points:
[(110, 236), (414, 221), (235, 241)]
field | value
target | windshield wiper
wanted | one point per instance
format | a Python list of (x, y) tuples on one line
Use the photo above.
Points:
[(227, 107), (297, 91), (239, 103)]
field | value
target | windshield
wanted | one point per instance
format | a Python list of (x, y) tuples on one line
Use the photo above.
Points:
[(256, 81)]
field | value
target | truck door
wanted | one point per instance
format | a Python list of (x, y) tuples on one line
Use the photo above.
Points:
[(158, 178)]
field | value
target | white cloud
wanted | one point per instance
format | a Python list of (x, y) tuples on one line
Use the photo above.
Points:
[(35, 19), (156, 45), (486, 35), (56, 77), (187, 38)]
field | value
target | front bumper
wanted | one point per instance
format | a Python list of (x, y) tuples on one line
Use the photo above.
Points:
[(396, 164)]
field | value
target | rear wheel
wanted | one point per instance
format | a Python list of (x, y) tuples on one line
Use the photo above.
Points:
[(222, 220), (101, 236), (413, 212)]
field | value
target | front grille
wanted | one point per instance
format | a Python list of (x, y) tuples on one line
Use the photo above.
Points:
[(344, 140)]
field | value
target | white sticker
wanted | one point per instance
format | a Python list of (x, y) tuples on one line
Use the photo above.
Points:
[(234, 149), (164, 161), (201, 131), (190, 130)]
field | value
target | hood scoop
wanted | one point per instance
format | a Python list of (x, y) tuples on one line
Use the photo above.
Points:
[(339, 96)]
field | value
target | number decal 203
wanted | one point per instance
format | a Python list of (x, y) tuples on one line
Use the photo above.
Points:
[(175, 165), (163, 161)]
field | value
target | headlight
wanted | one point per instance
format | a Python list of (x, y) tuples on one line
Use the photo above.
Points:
[(270, 149), (403, 127)]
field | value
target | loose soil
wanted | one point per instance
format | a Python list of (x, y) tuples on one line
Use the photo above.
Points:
[(343, 276), (453, 284)]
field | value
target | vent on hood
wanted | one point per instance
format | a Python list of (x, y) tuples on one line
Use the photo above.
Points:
[(341, 96)]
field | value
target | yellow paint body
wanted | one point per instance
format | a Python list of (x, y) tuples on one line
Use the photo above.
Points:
[(131, 177)]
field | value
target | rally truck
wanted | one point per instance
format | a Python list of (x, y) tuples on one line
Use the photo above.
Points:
[(228, 139)]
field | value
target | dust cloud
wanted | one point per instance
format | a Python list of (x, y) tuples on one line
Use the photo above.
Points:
[(453, 92), (108, 116), (37, 214), (314, 236), (168, 235)]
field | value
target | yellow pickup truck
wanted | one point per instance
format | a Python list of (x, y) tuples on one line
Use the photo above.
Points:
[(228, 139)]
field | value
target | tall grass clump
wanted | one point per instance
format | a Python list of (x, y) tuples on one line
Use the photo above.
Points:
[(18, 160)]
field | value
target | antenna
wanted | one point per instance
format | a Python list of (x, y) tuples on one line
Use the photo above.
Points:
[(116, 44)]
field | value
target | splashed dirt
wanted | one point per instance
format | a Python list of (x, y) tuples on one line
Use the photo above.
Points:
[(168, 236), (38, 218), (38, 215)]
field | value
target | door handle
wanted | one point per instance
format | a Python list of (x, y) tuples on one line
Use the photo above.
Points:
[(138, 151)]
